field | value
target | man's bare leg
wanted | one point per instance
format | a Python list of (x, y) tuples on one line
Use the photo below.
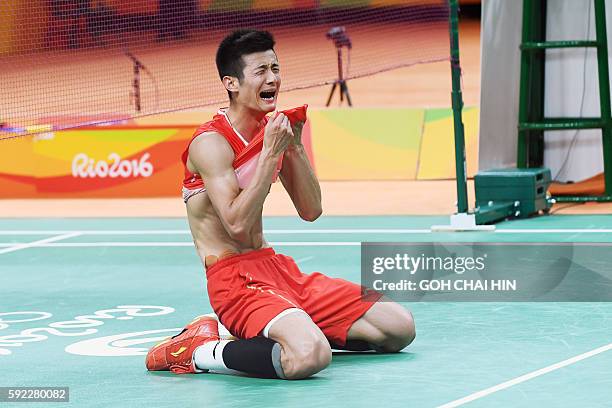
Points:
[(386, 327), (305, 349), (293, 348)]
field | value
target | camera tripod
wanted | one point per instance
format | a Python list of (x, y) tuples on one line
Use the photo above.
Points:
[(340, 82)]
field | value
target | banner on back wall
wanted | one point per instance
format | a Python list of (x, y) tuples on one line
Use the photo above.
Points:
[(142, 158)]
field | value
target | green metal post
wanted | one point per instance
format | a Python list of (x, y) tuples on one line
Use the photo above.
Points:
[(530, 149), (604, 91), (524, 94), (457, 104)]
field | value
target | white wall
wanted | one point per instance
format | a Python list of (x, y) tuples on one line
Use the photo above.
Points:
[(500, 37), (501, 32)]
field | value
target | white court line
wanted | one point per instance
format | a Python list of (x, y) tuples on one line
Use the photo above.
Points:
[(305, 259), (187, 232), (96, 232), (164, 244), (18, 247), (315, 243), (526, 377), (554, 231), (305, 231)]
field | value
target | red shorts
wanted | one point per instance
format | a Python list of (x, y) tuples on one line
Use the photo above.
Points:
[(248, 290)]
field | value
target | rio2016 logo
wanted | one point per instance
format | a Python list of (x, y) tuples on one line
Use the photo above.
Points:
[(80, 326), (85, 167), (116, 345), (126, 344)]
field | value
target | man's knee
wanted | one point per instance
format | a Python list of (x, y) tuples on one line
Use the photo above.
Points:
[(398, 331), (307, 358)]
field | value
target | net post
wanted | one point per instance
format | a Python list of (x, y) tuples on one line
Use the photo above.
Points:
[(462, 220), (457, 106)]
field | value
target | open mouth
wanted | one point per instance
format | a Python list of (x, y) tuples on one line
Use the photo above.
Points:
[(267, 96)]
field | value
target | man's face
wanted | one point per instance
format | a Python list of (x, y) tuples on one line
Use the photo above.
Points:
[(259, 87)]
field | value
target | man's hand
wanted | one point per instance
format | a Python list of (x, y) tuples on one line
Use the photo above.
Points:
[(278, 134)]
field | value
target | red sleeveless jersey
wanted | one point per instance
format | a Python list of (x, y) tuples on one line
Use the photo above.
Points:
[(243, 152)]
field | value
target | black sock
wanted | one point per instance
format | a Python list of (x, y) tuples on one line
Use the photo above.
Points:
[(259, 356), (355, 345)]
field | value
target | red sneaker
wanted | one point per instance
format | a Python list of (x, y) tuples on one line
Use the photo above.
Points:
[(175, 353)]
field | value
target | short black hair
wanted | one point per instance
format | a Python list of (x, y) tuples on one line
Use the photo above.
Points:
[(234, 46)]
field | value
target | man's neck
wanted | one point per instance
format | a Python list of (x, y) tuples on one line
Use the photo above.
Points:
[(245, 121)]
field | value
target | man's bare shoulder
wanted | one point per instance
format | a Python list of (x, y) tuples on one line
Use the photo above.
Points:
[(210, 149), (208, 140)]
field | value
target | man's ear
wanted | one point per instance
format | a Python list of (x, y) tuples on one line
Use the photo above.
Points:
[(230, 83)]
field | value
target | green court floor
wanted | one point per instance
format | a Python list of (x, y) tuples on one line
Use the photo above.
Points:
[(81, 301)]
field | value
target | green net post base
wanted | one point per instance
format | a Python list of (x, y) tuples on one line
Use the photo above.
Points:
[(511, 193)]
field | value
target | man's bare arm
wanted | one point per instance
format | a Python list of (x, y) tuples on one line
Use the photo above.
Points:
[(299, 179), (301, 183), (238, 210)]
